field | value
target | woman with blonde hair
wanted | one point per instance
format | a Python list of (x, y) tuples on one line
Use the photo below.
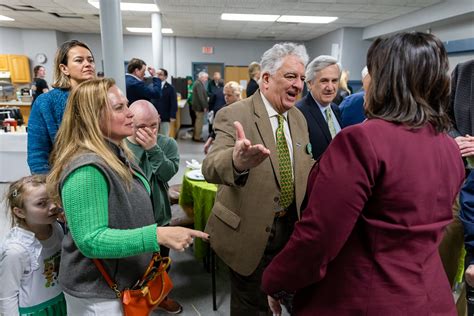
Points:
[(343, 90), (232, 93), (254, 74), (73, 64), (106, 199)]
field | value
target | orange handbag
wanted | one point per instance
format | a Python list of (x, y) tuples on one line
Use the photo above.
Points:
[(148, 292)]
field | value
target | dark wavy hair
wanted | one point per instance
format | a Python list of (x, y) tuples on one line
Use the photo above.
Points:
[(135, 63), (410, 84)]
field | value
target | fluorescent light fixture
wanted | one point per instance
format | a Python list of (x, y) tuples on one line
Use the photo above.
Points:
[(129, 6), (148, 30), (249, 17), (5, 18), (306, 19)]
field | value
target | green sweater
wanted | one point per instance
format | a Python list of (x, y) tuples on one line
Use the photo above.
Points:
[(159, 164), (85, 200)]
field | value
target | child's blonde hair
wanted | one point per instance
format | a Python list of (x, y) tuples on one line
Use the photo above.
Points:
[(15, 196)]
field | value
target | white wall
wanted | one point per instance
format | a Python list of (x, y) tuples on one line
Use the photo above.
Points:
[(354, 51), (454, 29), (30, 42), (323, 44)]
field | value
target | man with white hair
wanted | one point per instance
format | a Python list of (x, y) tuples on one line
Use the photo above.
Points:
[(200, 104), (158, 157), (322, 116), (352, 107), (260, 162)]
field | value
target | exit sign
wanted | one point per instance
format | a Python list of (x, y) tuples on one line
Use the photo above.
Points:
[(208, 50)]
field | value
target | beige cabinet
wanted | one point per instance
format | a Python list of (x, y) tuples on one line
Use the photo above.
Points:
[(19, 67), (4, 63)]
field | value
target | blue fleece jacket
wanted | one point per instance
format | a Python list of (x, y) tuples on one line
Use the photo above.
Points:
[(43, 124)]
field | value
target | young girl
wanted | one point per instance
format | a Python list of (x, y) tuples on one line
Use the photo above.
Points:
[(30, 254)]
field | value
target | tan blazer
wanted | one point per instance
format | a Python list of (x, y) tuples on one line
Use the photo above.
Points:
[(243, 213)]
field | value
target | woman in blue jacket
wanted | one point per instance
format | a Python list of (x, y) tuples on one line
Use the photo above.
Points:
[(73, 64)]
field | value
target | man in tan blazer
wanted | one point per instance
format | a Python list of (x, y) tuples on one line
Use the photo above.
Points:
[(255, 208)]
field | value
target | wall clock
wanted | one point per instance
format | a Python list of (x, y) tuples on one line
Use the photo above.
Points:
[(40, 58)]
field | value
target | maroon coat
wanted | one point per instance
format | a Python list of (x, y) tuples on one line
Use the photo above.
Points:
[(367, 243)]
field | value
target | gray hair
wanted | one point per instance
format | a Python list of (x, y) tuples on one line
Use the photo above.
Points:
[(203, 74), (318, 64), (272, 59), (235, 86)]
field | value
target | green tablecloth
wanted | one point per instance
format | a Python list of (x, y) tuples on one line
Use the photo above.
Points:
[(200, 196)]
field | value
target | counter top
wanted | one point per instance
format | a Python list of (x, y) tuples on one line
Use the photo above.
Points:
[(14, 103)]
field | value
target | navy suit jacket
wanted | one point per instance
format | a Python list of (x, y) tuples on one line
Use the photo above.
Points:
[(167, 104), (139, 90), (319, 135), (352, 109)]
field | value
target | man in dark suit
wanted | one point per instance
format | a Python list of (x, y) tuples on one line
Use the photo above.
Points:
[(462, 107), (323, 116), (214, 84), (260, 162), (167, 104), (136, 87)]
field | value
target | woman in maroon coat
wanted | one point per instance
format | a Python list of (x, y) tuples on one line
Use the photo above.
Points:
[(380, 197)]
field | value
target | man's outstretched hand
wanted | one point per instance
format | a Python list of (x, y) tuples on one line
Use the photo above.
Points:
[(247, 156)]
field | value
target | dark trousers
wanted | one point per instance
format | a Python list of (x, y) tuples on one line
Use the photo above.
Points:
[(246, 297), (193, 115)]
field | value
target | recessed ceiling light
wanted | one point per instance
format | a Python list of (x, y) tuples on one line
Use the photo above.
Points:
[(148, 30), (5, 18), (306, 19), (249, 17), (128, 6)]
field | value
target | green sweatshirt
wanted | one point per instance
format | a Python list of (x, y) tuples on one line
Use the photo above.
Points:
[(159, 164)]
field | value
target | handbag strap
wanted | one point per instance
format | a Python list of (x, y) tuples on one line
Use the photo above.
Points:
[(107, 278), (113, 285)]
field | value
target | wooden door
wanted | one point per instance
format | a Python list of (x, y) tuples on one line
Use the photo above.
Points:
[(19, 66), (3, 62), (239, 74)]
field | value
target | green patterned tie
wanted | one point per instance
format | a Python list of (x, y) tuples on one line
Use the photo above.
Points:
[(286, 178), (332, 128)]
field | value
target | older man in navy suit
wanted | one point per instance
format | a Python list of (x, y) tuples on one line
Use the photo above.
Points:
[(323, 116)]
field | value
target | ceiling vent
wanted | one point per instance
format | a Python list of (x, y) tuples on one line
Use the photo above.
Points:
[(66, 15), (21, 8)]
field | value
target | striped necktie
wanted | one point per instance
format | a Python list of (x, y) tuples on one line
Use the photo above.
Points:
[(286, 168), (332, 128)]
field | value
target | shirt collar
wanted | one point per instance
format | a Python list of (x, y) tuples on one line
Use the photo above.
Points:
[(134, 77), (321, 107), (270, 110)]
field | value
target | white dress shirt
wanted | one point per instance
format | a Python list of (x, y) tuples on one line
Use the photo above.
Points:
[(273, 116)]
